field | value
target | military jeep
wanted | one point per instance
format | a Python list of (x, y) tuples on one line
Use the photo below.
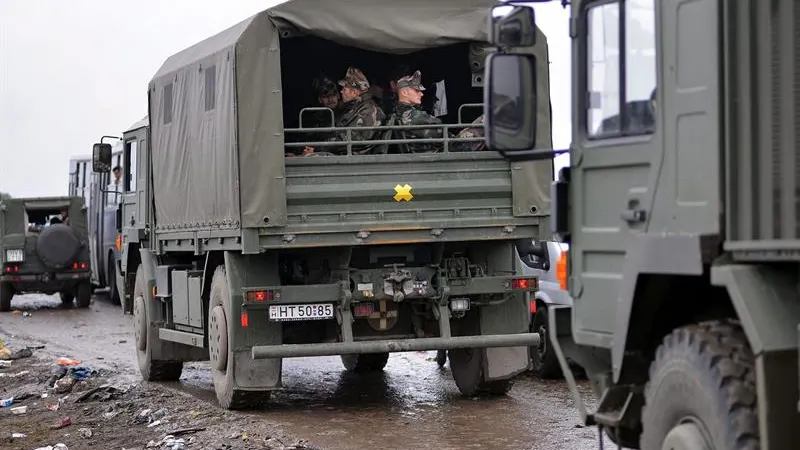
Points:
[(44, 250)]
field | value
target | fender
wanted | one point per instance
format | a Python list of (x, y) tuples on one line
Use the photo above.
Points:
[(659, 254)]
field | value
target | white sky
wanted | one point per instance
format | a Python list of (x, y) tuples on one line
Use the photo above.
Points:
[(72, 71)]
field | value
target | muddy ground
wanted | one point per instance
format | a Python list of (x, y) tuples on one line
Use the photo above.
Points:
[(412, 404)]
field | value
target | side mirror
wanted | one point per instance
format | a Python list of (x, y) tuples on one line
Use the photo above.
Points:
[(118, 219), (510, 102), (101, 158), (512, 26)]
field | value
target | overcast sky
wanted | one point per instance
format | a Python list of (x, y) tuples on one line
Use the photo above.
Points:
[(72, 71)]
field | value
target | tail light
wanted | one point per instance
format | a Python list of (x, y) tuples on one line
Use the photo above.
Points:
[(262, 295), (12, 269), (561, 270), (119, 243), (80, 266)]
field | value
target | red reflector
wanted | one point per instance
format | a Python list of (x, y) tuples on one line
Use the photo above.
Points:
[(533, 306), (8, 269), (84, 266), (74, 266), (363, 310), (245, 320), (259, 296)]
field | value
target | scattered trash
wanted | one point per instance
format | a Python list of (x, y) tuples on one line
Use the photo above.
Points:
[(154, 424), (19, 410), (53, 407), (102, 393), (6, 402), (4, 364), (67, 362), (19, 354), (18, 436), (183, 431), (169, 442), (86, 433), (64, 422), (44, 395), (64, 385), (58, 446), (26, 314), (14, 375)]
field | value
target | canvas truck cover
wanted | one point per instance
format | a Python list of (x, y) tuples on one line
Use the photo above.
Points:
[(216, 107)]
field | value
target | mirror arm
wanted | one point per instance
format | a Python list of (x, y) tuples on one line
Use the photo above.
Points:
[(110, 137)]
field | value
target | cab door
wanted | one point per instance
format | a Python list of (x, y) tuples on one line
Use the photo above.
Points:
[(615, 143)]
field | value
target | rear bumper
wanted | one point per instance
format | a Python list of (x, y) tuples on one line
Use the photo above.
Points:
[(394, 346), (45, 282)]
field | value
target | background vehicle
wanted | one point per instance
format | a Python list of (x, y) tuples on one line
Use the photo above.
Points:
[(226, 241), (682, 224), (101, 217), (41, 254)]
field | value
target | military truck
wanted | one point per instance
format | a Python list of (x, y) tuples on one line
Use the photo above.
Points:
[(42, 252), (682, 226), (236, 254)]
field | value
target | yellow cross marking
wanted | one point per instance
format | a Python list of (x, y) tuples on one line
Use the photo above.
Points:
[(403, 193)]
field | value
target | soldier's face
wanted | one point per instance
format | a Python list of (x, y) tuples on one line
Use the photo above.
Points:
[(412, 95), (349, 93), (330, 100)]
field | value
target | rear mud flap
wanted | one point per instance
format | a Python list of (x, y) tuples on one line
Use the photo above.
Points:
[(509, 317)]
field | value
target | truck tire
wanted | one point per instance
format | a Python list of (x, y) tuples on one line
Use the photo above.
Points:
[(441, 357), (467, 367), (57, 246), (111, 281), (544, 362), (83, 294), (152, 370), (6, 294), (221, 354), (66, 298), (702, 388), (368, 362)]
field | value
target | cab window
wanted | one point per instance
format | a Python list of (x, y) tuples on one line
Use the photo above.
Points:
[(129, 177), (620, 68)]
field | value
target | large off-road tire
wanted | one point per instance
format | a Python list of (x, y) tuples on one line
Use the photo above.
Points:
[(145, 341), (441, 357), (368, 362), (220, 353), (467, 367), (57, 246), (111, 281), (544, 362), (6, 294), (66, 298), (702, 388), (83, 294)]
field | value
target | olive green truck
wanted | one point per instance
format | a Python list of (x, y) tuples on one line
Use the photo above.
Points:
[(233, 253), (680, 208)]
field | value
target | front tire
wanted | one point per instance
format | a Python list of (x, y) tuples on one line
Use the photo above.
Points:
[(151, 369), (220, 353), (702, 388), (83, 294), (467, 367), (111, 281), (544, 362)]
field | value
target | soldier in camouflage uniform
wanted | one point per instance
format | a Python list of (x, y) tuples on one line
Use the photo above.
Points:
[(358, 110), (471, 132), (408, 112)]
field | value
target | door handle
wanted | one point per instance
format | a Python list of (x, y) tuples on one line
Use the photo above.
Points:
[(634, 215)]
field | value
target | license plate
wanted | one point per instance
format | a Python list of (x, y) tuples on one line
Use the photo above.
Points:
[(314, 311)]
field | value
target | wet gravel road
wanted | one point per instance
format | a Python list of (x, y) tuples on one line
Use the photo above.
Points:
[(412, 404)]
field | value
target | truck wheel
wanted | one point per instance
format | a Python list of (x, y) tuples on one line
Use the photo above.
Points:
[(152, 370), (368, 362), (66, 298), (6, 294), (111, 281), (441, 357), (220, 353), (702, 390), (467, 367), (83, 294), (543, 359)]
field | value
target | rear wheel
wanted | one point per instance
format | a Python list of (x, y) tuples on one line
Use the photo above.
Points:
[(151, 369), (6, 294), (368, 362), (702, 390), (83, 294), (111, 280), (221, 353), (66, 298), (441, 357), (467, 367)]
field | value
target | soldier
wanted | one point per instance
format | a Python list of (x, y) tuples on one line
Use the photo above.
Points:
[(358, 110), (408, 112), (397, 72)]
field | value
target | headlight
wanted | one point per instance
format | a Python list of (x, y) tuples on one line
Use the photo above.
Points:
[(15, 255)]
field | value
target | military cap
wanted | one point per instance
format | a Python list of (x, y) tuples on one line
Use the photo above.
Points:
[(355, 78), (413, 81)]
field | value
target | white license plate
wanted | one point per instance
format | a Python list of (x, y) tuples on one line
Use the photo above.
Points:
[(314, 311)]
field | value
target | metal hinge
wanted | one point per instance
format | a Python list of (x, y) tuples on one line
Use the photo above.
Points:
[(573, 28)]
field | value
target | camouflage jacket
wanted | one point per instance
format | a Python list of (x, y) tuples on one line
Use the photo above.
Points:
[(406, 114), (362, 112), (471, 132)]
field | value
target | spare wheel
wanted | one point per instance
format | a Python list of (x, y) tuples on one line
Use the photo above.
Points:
[(57, 246)]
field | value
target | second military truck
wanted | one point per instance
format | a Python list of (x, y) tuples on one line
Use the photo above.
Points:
[(234, 253)]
